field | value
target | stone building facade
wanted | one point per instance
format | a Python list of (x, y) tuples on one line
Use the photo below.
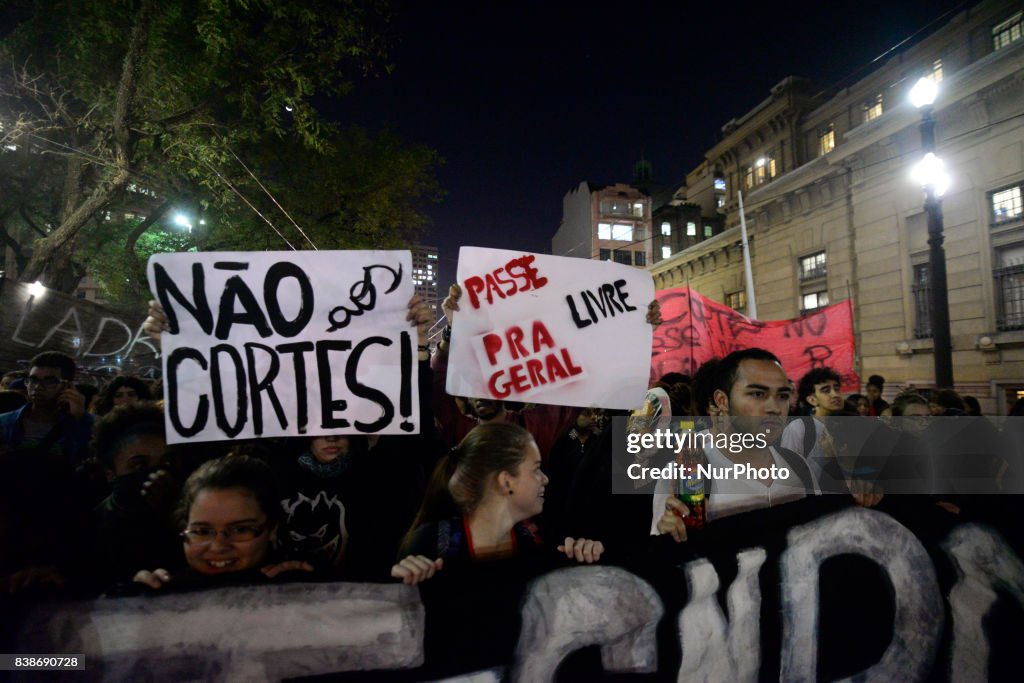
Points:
[(833, 214)]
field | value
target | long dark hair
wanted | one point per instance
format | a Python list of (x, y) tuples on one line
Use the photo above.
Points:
[(459, 481)]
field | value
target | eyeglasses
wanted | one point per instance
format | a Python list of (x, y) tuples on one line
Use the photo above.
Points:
[(48, 382), (236, 533)]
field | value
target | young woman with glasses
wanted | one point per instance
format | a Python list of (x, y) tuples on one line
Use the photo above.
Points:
[(230, 514)]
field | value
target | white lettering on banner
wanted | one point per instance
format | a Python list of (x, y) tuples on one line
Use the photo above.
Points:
[(550, 329), (265, 344), (334, 627)]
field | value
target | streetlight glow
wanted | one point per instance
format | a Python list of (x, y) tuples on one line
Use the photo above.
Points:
[(36, 289), (931, 172), (924, 92), (182, 221)]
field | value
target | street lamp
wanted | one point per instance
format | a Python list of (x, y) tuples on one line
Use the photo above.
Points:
[(930, 172)]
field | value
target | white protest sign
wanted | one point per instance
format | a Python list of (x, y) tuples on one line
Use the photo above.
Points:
[(265, 344), (550, 329)]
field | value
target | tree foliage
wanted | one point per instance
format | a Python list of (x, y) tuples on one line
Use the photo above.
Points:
[(129, 106)]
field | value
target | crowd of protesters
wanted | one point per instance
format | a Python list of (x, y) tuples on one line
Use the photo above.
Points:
[(95, 501)]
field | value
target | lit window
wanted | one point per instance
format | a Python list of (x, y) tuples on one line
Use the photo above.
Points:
[(638, 209), (813, 301), (720, 202), (691, 229), (622, 232), (666, 252), (639, 258), (813, 266), (772, 169), (434, 256), (708, 231), (720, 184), (666, 229), (873, 108), (935, 74), (748, 177), (604, 231), (1006, 205), (826, 139), (760, 172), (737, 301), (1008, 32)]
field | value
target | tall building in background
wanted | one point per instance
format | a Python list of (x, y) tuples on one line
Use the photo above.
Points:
[(607, 223), (425, 272), (832, 211)]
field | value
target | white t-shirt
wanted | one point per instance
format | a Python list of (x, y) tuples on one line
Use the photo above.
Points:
[(743, 495)]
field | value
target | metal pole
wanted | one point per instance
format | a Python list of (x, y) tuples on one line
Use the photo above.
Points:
[(747, 270), (939, 294)]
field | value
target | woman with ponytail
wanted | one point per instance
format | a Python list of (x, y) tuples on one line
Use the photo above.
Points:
[(475, 539), (479, 505)]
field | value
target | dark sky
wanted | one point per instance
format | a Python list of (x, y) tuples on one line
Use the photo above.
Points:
[(525, 100)]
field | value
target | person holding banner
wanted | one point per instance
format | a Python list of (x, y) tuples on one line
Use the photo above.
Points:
[(230, 515), (475, 546), (751, 394)]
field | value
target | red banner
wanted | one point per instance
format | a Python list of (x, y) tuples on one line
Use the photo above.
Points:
[(697, 329)]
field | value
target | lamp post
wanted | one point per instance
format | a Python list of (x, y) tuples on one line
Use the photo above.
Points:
[(930, 172)]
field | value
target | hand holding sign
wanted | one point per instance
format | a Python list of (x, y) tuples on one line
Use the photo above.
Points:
[(547, 329)]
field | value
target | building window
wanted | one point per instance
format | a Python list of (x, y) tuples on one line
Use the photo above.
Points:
[(622, 232), (873, 108), (812, 301), (1008, 32), (691, 229), (605, 255), (622, 207), (639, 258), (720, 201), (748, 177), (708, 231), (720, 184), (1006, 205), (624, 256), (666, 252), (920, 288), (765, 169), (813, 266), (935, 73), (826, 139), (666, 228), (1009, 286), (737, 301)]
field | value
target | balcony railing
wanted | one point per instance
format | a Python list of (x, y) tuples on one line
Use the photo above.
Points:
[(1009, 297), (820, 270), (922, 311)]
